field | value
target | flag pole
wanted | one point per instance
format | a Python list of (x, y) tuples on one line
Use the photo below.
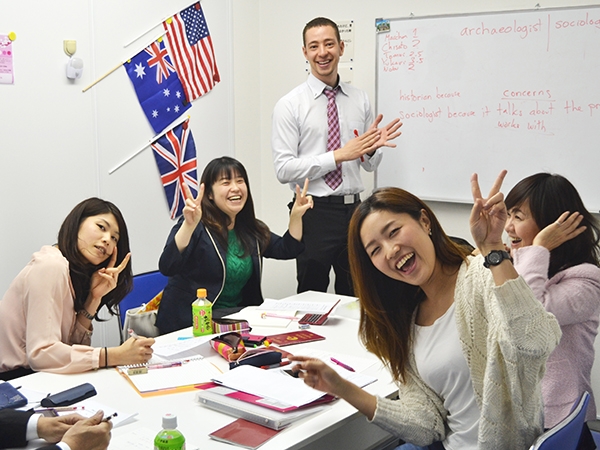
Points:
[(154, 139), (102, 77), (162, 33), (145, 32), (161, 21)]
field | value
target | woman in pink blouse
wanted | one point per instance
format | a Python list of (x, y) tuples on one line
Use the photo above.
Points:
[(46, 314), (554, 244)]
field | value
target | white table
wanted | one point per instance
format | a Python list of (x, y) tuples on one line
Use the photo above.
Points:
[(340, 426)]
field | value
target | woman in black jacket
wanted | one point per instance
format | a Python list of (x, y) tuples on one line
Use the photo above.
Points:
[(218, 244)]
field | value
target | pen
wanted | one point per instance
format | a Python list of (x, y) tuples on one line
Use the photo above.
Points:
[(265, 315), (107, 418), (133, 334), (164, 365), (59, 409), (273, 366), (341, 364)]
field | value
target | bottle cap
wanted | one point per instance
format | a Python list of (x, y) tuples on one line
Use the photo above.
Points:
[(201, 293), (169, 421)]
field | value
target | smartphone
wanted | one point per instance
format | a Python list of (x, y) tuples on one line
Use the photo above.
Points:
[(291, 373)]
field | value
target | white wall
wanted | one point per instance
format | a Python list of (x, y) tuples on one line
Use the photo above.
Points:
[(57, 144)]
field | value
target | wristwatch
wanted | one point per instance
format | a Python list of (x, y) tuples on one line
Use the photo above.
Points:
[(495, 257)]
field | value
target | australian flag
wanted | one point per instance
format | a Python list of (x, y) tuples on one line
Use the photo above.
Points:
[(175, 155), (157, 85)]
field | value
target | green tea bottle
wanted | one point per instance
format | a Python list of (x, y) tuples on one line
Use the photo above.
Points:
[(169, 438)]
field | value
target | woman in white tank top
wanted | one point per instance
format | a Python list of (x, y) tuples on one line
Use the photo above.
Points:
[(464, 337)]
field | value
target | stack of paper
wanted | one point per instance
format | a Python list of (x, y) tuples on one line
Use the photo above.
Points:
[(278, 385), (226, 401)]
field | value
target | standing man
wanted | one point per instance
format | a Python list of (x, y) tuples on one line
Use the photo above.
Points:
[(323, 130)]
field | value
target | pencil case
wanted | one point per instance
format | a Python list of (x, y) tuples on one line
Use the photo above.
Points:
[(226, 325), (230, 346), (10, 397), (257, 357), (70, 396)]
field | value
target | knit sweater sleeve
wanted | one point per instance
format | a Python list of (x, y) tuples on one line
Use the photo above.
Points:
[(506, 337), (417, 416)]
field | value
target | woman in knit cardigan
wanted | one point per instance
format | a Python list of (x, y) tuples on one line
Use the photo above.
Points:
[(554, 244), (464, 337)]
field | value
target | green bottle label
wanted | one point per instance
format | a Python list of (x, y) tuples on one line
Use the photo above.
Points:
[(169, 440)]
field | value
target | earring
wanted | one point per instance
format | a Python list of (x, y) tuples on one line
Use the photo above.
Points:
[(430, 232)]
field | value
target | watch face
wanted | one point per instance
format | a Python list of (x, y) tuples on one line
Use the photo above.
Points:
[(495, 257)]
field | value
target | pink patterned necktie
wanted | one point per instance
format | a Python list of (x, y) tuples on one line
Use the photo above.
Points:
[(333, 178)]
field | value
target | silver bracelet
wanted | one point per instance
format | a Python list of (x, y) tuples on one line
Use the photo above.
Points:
[(85, 314)]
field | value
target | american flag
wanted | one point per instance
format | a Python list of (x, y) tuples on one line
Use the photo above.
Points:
[(175, 154), (192, 51)]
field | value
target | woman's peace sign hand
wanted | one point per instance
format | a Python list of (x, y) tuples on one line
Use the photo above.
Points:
[(303, 201), (105, 280), (192, 211), (488, 215), (302, 204)]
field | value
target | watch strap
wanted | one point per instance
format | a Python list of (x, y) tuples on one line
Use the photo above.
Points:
[(500, 254)]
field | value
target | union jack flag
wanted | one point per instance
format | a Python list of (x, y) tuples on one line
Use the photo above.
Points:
[(192, 51), (161, 95), (158, 58), (175, 155)]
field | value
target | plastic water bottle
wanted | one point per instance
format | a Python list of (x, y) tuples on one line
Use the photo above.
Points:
[(169, 438), (201, 314)]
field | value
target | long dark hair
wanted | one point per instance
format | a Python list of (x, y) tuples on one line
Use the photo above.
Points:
[(80, 269), (387, 306), (247, 227), (550, 195)]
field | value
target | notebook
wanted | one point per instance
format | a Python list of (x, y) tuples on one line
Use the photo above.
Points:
[(217, 399), (273, 384), (243, 434), (163, 378), (262, 401), (294, 337)]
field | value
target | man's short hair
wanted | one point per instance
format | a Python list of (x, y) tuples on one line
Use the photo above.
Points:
[(321, 22)]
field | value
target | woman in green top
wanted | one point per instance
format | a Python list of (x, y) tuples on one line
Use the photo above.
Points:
[(218, 244)]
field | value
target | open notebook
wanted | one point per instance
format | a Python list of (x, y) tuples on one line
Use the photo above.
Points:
[(175, 374)]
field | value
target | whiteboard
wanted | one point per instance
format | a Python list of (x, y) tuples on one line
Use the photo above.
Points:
[(485, 92)]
